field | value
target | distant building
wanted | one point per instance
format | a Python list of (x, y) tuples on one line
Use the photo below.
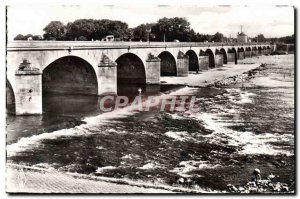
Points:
[(242, 37)]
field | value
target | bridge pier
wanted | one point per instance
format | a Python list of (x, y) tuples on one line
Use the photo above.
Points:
[(267, 51), (273, 48), (259, 52), (230, 57), (219, 60), (254, 53), (152, 70), (203, 62), (182, 64), (247, 53), (107, 76), (28, 93), (241, 55)]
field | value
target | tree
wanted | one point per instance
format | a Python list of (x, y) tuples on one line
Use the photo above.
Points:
[(80, 27), (140, 33), (288, 39), (172, 28), (117, 28), (191, 36), (218, 37), (260, 38), (37, 37), (20, 37), (28, 36), (55, 30), (96, 29), (129, 34), (25, 37), (165, 29)]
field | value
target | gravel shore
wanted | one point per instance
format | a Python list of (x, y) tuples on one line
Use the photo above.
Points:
[(25, 180), (206, 78)]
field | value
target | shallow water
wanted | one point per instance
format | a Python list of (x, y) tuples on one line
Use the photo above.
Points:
[(238, 128)]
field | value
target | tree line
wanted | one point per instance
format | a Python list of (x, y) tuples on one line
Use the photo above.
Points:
[(165, 29)]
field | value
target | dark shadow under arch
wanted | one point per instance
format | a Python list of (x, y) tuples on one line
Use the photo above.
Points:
[(223, 51), (62, 80), (10, 99), (167, 64), (248, 52), (241, 53), (264, 50), (241, 49), (193, 60), (70, 75), (259, 50), (254, 51), (233, 55), (130, 69), (210, 53)]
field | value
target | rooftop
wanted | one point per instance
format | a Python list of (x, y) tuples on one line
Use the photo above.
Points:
[(242, 34)]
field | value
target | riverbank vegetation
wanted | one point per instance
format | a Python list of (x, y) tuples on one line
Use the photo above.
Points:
[(165, 29)]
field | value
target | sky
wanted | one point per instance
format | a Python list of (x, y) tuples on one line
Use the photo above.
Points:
[(271, 21)]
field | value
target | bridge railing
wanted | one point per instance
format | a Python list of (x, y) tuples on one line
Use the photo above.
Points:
[(119, 44)]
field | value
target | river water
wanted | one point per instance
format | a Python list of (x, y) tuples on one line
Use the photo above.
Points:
[(238, 128)]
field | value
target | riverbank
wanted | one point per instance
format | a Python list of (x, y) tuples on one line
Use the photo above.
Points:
[(206, 78), (22, 179)]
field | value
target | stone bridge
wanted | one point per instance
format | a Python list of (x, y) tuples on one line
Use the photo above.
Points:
[(35, 67)]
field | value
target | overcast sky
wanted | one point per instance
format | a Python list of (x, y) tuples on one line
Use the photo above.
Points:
[(270, 21)]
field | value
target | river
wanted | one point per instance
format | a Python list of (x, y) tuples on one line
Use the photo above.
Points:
[(238, 128)]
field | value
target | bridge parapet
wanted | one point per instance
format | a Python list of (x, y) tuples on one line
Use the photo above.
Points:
[(26, 45)]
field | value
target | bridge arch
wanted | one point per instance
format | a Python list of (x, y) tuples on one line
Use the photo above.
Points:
[(223, 51), (264, 50), (193, 60), (211, 56), (241, 53), (219, 58), (232, 55), (10, 99), (241, 49), (254, 51), (167, 64), (248, 52), (70, 75), (260, 50), (130, 69)]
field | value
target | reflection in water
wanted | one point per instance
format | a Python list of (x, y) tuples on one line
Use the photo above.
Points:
[(70, 105), (65, 111)]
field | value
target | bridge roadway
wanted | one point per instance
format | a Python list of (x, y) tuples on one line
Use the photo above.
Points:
[(93, 67)]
